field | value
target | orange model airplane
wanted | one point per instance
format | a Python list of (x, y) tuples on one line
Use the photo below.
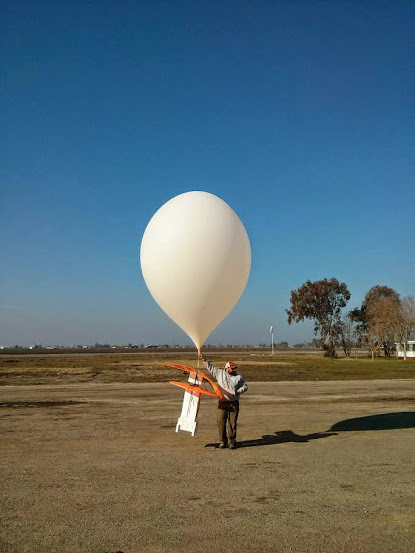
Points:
[(192, 391)]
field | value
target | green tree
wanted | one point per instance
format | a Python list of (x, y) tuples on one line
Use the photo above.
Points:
[(322, 302)]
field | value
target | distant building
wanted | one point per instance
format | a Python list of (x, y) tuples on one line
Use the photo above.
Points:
[(410, 350)]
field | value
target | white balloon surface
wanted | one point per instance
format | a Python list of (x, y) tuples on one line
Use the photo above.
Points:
[(196, 259)]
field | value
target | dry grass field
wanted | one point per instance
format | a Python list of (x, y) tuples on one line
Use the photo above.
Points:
[(91, 462), (145, 366)]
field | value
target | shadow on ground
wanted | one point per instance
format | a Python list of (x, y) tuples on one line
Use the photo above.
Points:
[(280, 437), (385, 421)]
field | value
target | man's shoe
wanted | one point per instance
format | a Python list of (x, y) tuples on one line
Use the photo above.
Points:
[(232, 445), (222, 445)]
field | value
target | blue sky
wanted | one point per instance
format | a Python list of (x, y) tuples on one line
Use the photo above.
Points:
[(295, 113)]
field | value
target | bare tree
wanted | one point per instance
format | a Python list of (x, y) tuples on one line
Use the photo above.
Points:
[(379, 292), (371, 328), (405, 323), (347, 329), (383, 316), (374, 336)]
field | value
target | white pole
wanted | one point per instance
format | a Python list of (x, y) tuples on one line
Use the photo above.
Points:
[(272, 339)]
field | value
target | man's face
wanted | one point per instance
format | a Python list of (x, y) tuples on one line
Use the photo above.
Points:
[(231, 370)]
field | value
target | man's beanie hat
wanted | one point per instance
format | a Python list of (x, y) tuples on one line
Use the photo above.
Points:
[(231, 365)]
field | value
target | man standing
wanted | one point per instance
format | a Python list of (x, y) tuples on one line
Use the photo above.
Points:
[(232, 385)]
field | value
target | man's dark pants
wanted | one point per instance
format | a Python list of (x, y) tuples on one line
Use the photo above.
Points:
[(227, 415)]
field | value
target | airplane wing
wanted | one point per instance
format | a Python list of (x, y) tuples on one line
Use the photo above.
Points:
[(192, 391)]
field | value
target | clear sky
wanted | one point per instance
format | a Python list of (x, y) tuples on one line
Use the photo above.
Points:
[(296, 113)]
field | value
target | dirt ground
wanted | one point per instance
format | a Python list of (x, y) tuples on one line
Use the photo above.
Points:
[(322, 467)]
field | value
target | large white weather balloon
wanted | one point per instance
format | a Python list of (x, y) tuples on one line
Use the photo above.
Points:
[(196, 259)]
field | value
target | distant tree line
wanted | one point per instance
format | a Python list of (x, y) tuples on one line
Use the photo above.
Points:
[(383, 319)]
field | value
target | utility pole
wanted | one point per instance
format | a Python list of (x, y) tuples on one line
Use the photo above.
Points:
[(272, 339)]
